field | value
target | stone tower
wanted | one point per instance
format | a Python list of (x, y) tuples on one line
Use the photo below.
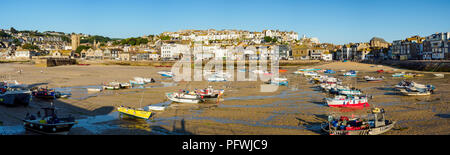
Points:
[(75, 41)]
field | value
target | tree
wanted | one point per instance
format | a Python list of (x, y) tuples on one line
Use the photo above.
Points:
[(30, 46), (164, 37), (267, 39), (3, 34), (13, 30)]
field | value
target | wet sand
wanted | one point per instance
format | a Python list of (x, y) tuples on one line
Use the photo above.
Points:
[(294, 110)]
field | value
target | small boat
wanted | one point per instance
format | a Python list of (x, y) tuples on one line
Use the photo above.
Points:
[(14, 95), (374, 124), (278, 81), (282, 70), (166, 74), (309, 69), (347, 101), (351, 73), (410, 75), (84, 64), (329, 72), (46, 93), (398, 75), (298, 72), (210, 92), (415, 92), (184, 97), (439, 75), (134, 82), (380, 71), (112, 86), (125, 85), (138, 113), (349, 92), (310, 74), (50, 123), (373, 79), (155, 108), (242, 70), (94, 89)]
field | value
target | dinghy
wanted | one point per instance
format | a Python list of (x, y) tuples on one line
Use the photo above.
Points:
[(184, 97)]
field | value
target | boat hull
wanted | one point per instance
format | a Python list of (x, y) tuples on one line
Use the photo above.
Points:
[(62, 128), (135, 113)]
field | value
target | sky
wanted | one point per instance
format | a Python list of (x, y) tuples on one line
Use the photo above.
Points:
[(332, 21)]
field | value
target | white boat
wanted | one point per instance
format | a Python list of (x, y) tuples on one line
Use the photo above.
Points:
[(154, 108), (310, 74), (183, 98), (94, 89), (347, 101), (165, 73), (210, 92), (410, 92), (439, 75)]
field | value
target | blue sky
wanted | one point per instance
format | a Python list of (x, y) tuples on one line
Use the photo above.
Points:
[(333, 21)]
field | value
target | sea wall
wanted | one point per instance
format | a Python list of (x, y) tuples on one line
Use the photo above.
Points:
[(51, 62), (420, 65)]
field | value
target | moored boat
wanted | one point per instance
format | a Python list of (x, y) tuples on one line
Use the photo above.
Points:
[(14, 95), (347, 101), (165, 73), (46, 93), (138, 113), (210, 92), (182, 97), (374, 124), (50, 123)]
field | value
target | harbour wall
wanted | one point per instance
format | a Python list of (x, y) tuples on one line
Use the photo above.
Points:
[(420, 65)]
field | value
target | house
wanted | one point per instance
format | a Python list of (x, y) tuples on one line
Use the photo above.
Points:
[(300, 52), (24, 54), (173, 50), (327, 56), (124, 56), (438, 45)]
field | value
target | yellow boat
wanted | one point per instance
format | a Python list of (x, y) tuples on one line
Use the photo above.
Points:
[(135, 113)]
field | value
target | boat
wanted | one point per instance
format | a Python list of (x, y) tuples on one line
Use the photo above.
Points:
[(282, 70), (409, 75), (46, 93), (242, 70), (329, 72), (155, 108), (298, 72), (210, 92), (347, 101), (351, 73), (215, 78), (112, 86), (415, 92), (165, 73), (137, 113), (439, 75), (124, 85), (182, 97), (310, 74), (349, 92), (373, 79), (309, 69), (50, 123), (94, 89), (374, 124), (84, 64), (14, 95), (278, 81), (398, 75), (413, 85), (134, 82), (380, 71)]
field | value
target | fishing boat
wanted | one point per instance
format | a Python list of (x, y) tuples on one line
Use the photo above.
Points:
[(374, 124), (210, 92), (278, 81), (50, 123), (282, 70), (347, 101), (166, 74), (298, 72), (14, 95), (137, 113), (134, 82), (409, 75), (373, 79), (182, 97), (46, 93)]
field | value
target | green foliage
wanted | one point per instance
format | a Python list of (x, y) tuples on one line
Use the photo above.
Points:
[(91, 39), (132, 41), (268, 39), (17, 42), (30, 46), (164, 37), (3, 34), (80, 48), (13, 30)]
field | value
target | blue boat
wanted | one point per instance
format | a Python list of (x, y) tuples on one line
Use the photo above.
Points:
[(351, 73), (329, 72), (46, 93), (166, 74), (309, 69)]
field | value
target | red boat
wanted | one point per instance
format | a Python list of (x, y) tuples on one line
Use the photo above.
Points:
[(84, 64), (380, 71), (282, 70)]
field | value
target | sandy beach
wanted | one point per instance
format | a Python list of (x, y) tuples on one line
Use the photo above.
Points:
[(294, 110)]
